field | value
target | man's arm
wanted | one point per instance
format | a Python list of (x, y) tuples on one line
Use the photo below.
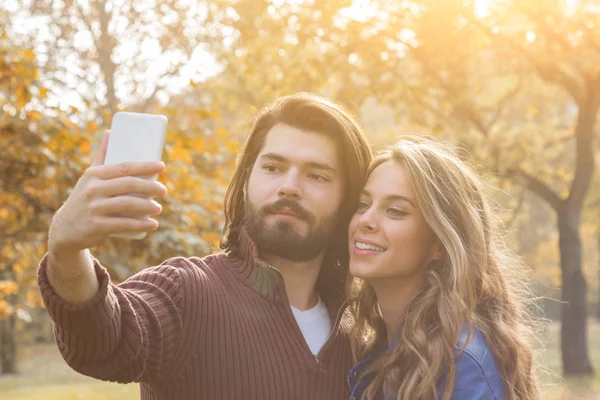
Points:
[(92, 213), (123, 333), (74, 284)]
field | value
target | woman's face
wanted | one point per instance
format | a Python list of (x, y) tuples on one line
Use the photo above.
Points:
[(389, 238)]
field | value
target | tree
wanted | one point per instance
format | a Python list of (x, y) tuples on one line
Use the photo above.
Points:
[(106, 55), (269, 48), (36, 149), (123, 55), (48, 145), (491, 70), (516, 83)]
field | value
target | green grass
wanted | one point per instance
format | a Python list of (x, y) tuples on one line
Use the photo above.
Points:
[(44, 375)]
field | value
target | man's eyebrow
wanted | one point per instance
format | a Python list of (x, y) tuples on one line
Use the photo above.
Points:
[(321, 166), (309, 164), (274, 156), (393, 197)]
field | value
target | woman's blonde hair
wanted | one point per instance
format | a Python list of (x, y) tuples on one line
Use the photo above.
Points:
[(478, 284)]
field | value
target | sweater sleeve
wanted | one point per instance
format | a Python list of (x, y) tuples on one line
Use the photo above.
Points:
[(127, 332)]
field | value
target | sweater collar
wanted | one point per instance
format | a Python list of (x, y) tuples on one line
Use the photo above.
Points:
[(254, 272), (265, 279)]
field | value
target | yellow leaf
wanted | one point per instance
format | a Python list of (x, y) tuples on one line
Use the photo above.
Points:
[(8, 287), (532, 111), (92, 126), (5, 309), (35, 116), (232, 146), (84, 146), (21, 98), (34, 299), (28, 55), (180, 154), (198, 144), (222, 133), (43, 93), (212, 238), (213, 207)]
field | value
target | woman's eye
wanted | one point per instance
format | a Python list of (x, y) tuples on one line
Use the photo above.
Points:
[(395, 212), (362, 207)]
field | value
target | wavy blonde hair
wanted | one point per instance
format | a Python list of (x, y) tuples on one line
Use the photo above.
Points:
[(479, 283)]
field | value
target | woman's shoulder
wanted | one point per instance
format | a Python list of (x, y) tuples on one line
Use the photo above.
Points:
[(477, 374)]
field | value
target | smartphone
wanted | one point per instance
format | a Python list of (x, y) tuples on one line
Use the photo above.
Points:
[(136, 137)]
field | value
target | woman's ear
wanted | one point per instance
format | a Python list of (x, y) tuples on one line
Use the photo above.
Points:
[(439, 252)]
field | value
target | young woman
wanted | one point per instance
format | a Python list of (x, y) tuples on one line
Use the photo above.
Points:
[(438, 301)]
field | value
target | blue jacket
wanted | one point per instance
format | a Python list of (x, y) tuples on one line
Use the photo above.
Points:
[(477, 376)]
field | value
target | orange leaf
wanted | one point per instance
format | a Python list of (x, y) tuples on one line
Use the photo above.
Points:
[(28, 55), (92, 126)]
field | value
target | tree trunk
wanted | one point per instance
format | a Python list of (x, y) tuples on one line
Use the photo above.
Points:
[(8, 346), (598, 251), (573, 338), (105, 46)]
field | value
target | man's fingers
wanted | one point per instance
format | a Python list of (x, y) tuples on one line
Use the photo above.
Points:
[(130, 185), (109, 225), (132, 168), (101, 152), (127, 204)]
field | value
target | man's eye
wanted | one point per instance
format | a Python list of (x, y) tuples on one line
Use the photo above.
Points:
[(318, 177), (271, 168)]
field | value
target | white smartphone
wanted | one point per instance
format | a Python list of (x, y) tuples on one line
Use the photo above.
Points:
[(136, 137)]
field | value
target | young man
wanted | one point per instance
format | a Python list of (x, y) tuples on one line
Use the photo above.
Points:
[(263, 320)]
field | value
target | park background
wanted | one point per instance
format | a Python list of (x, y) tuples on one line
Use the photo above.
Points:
[(515, 84)]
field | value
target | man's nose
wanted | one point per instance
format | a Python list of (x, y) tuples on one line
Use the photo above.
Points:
[(291, 185)]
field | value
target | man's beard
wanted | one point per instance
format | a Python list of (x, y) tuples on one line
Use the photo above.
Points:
[(282, 238)]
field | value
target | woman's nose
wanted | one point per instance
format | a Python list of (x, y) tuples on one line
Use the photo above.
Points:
[(367, 220)]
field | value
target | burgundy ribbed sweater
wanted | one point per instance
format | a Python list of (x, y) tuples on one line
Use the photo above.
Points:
[(213, 328)]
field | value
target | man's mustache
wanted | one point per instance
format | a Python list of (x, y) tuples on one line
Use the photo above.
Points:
[(291, 205)]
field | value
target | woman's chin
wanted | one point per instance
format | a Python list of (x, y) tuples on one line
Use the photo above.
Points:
[(361, 272)]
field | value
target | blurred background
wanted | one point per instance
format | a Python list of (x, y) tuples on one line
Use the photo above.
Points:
[(514, 83)]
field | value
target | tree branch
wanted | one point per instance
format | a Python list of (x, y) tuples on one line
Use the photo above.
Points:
[(548, 71), (516, 211), (501, 105), (584, 136), (541, 189), (86, 21)]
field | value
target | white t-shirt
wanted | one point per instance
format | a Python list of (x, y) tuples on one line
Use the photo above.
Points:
[(315, 325)]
